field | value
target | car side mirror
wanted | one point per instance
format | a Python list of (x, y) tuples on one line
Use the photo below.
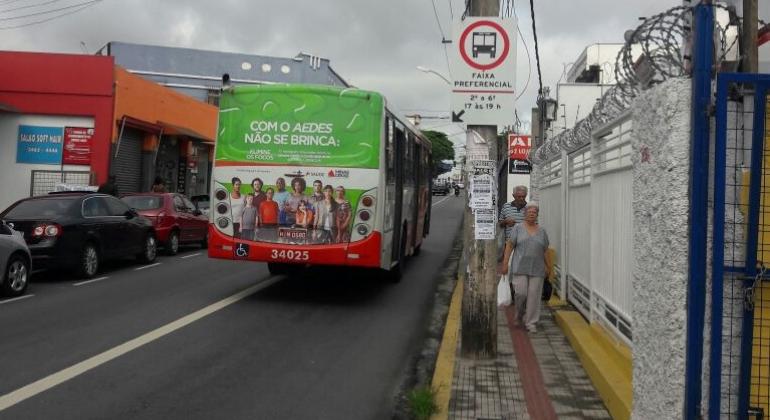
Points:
[(130, 214), (197, 212)]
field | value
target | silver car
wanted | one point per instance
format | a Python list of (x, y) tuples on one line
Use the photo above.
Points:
[(15, 261)]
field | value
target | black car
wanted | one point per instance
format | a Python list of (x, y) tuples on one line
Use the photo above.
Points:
[(441, 188), (80, 230)]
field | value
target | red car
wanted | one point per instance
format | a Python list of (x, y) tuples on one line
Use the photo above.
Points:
[(174, 216)]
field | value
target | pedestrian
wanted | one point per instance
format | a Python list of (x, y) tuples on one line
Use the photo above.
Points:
[(513, 212), (528, 267), (110, 187), (249, 218), (158, 186)]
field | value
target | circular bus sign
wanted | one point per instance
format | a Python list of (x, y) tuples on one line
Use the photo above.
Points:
[(485, 37)]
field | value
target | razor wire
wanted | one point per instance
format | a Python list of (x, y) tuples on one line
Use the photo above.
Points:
[(656, 51)]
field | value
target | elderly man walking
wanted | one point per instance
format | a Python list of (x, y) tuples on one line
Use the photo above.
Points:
[(513, 212)]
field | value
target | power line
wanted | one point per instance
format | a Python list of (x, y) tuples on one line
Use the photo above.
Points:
[(537, 50), (443, 38), (451, 13), (83, 4), (526, 49), (37, 22), (29, 6)]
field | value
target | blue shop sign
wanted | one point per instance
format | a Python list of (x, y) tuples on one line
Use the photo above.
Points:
[(39, 145)]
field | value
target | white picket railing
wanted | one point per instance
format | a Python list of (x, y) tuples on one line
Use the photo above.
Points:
[(587, 213)]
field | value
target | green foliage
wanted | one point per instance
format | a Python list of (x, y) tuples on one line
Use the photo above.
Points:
[(422, 403), (442, 149)]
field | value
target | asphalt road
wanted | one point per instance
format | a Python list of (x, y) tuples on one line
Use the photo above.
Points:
[(194, 338)]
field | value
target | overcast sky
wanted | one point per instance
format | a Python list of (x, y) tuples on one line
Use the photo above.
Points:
[(372, 44)]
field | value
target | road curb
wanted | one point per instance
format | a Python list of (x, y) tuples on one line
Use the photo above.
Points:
[(423, 364), (445, 362)]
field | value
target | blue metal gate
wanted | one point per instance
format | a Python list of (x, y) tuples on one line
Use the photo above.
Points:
[(739, 384)]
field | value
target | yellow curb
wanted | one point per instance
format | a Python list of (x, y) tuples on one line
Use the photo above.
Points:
[(607, 362), (445, 361)]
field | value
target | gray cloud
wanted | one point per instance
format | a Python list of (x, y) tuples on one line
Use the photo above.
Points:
[(374, 44)]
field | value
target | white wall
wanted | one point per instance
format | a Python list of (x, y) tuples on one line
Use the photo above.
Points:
[(15, 178), (661, 120), (576, 101)]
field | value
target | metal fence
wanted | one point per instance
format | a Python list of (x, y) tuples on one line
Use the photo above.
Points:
[(586, 208), (44, 182), (740, 304)]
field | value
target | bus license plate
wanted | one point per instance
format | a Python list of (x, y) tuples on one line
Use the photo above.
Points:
[(293, 234)]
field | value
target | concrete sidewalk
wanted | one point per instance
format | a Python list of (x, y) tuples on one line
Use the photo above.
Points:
[(535, 375)]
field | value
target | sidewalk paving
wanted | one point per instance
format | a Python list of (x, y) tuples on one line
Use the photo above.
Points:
[(534, 376)]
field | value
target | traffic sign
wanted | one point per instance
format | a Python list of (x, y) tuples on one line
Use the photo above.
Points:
[(484, 71)]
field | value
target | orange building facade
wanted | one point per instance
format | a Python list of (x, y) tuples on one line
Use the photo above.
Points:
[(158, 132)]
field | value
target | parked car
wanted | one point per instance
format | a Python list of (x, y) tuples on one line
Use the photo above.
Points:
[(174, 216), (79, 230), (440, 188), (15, 261)]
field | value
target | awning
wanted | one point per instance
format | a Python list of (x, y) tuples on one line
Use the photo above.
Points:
[(175, 130)]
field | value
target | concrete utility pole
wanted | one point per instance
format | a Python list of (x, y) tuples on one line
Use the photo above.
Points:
[(479, 315), (750, 32)]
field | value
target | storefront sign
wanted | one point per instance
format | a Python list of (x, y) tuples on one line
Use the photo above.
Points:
[(41, 145), (518, 154), (181, 175), (77, 146)]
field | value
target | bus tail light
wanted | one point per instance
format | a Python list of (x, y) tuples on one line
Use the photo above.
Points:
[(222, 214), (364, 221)]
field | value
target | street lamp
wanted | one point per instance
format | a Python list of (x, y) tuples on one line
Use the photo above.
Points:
[(427, 70)]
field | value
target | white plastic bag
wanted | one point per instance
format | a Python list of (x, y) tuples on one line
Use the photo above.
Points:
[(503, 292)]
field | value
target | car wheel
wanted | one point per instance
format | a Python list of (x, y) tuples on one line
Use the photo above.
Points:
[(149, 250), (88, 265), (172, 245), (16, 277)]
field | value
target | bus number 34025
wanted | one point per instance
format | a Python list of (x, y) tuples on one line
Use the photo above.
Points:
[(289, 255)]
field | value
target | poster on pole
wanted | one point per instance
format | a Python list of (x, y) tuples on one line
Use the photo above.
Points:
[(483, 71), (484, 226), (482, 192)]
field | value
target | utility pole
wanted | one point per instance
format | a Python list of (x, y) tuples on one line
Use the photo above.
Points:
[(750, 32), (479, 314)]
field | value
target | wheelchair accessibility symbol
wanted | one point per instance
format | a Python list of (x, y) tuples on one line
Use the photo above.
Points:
[(242, 251)]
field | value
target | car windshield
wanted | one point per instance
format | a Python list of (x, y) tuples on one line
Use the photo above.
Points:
[(143, 202), (40, 208)]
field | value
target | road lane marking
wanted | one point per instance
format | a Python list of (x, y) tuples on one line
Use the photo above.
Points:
[(191, 255), (50, 381), (15, 299), (90, 281), (147, 266), (439, 202)]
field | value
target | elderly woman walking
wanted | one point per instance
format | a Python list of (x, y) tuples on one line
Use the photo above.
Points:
[(528, 267)]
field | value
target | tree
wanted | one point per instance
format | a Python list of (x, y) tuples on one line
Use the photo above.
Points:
[(442, 149)]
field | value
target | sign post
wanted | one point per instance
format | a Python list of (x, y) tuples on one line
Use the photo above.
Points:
[(483, 69)]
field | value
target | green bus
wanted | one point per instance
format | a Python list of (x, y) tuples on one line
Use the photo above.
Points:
[(310, 174)]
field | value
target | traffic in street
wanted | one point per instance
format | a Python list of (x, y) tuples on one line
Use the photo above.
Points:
[(191, 337)]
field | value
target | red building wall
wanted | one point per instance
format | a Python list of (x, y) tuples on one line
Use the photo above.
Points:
[(62, 84)]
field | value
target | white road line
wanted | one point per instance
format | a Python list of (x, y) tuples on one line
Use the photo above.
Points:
[(439, 202), (90, 281), (191, 255), (50, 381), (147, 266), (15, 299)]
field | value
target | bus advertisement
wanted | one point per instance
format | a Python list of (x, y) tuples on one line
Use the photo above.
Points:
[(309, 175)]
